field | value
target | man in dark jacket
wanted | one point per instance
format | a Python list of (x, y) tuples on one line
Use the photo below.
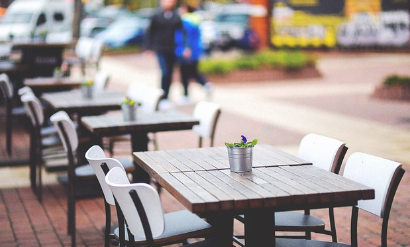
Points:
[(160, 38)]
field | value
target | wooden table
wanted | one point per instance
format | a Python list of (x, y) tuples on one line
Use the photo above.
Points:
[(73, 102), (113, 124), (200, 180), (52, 84)]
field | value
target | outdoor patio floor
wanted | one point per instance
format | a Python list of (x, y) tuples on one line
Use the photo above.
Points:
[(277, 113)]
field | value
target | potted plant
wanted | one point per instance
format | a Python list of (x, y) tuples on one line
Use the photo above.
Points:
[(129, 109), (58, 73), (87, 89), (241, 154)]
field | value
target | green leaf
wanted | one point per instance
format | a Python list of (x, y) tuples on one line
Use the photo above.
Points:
[(229, 144), (254, 142)]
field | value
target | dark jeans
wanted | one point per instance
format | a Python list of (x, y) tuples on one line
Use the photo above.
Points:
[(188, 71), (166, 62)]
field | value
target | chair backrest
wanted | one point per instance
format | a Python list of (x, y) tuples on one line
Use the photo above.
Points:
[(377, 173), (66, 130), (96, 157), (6, 86), (324, 152), (24, 90), (33, 108), (84, 47), (121, 188), (100, 81), (208, 114), (149, 97)]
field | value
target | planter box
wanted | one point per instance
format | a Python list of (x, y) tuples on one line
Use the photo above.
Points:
[(264, 74), (392, 93)]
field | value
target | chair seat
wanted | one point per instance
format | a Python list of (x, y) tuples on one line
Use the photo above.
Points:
[(297, 221), (282, 242), (48, 130), (179, 225), (19, 111), (127, 163), (84, 171), (50, 141), (294, 221), (206, 243)]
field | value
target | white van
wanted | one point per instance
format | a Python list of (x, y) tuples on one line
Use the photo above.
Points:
[(25, 19)]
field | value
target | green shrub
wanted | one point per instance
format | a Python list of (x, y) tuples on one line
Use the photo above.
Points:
[(216, 67), (283, 59), (291, 60), (268, 58), (248, 62), (397, 80)]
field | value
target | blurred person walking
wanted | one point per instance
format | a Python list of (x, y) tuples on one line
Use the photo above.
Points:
[(188, 61), (160, 38)]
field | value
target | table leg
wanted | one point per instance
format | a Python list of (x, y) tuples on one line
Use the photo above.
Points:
[(139, 142), (259, 228), (222, 223)]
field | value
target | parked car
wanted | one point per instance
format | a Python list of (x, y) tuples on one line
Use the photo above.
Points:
[(101, 19), (124, 31), (25, 19), (232, 22)]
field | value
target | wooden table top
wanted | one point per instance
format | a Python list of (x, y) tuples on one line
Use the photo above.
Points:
[(280, 187), (72, 101), (114, 124), (41, 82), (207, 159)]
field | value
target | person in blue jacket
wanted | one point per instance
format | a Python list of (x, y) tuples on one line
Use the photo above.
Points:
[(188, 61)]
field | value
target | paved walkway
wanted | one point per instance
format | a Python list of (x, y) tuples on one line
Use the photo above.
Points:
[(279, 113)]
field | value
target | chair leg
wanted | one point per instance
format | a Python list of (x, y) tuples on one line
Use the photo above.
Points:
[(308, 235), (353, 226), (107, 224), (8, 127), (131, 240), (32, 163), (154, 141), (332, 225)]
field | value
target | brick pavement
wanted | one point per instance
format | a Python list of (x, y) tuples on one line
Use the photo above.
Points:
[(278, 113)]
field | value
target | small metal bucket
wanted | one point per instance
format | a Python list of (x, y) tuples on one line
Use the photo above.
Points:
[(240, 159), (129, 112), (87, 92)]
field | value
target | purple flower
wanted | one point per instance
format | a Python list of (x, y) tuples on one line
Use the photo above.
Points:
[(244, 139)]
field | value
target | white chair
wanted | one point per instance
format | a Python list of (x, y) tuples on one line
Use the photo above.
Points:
[(383, 176), (101, 79), (101, 165), (83, 54), (208, 115), (81, 178), (7, 89), (327, 154), (45, 146), (143, 213)]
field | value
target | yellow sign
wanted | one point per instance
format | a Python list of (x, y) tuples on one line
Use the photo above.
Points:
[(303, 2)]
